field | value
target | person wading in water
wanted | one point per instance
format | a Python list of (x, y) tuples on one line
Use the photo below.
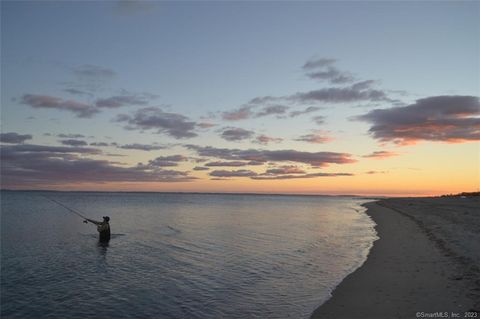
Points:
[(103, 228)]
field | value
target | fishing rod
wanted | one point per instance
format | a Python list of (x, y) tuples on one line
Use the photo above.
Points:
[(67, 208)]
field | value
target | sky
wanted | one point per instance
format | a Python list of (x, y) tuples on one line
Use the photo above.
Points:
[(366, 98)]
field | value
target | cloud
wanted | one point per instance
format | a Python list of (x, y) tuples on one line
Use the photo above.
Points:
[(173, 158), (380, 154), (205, 125), (74, 91), (73, 142), (141, 147), (254, 163), (163, 161), (201, 168), (451, 119), (319, 119), (93, 72), (121, 100), (317, 159), (309, 109), (82, 110), (311, 175), (284, 172), (242, 113), (235, 134), (272, 109), (25, 165), (228, 164), (101, 144), (237, 173), (70, 135), (287, 169), (116, 155), (247, 111), (375, 172), (314, 138), (363, 85), (89, 80), (172, 124), (259, 100), (313, 64), (264, 139), (34, 149), (353, 93), (159, 163), (14, 138), (323, 69)]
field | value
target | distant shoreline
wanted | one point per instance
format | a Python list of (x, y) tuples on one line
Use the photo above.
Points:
[(193, 193), (414, 266)]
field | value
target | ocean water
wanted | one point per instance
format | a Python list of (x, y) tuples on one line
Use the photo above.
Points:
[(177, 255)]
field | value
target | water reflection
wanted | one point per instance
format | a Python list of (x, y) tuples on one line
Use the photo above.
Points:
[(102, 248), (227, 256)]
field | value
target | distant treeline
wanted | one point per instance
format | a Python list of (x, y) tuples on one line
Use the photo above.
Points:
[(464, 194)]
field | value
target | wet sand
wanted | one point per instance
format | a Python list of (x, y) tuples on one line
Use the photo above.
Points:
[(426, 261)]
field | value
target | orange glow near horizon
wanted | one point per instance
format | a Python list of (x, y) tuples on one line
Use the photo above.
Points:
[(423, 171)]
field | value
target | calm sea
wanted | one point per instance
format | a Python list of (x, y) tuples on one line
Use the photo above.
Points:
[(177, 255)]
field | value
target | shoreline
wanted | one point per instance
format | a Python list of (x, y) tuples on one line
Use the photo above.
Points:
[(410, 271)]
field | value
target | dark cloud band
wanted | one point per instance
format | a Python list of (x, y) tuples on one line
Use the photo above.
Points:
[(317, 159), (26, 165), (14, 138), (445, 118), (82, 110), (173, 124)]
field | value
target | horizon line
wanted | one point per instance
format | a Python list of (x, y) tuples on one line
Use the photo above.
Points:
[(215, 193)]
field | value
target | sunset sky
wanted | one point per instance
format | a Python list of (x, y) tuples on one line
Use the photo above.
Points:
[(367, 98)]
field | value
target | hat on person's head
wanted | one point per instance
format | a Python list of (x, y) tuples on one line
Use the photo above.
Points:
[(106, 218)]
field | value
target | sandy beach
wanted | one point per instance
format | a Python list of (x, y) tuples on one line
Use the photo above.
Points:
[(425, 263)]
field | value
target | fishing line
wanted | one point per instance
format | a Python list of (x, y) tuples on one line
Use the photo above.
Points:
[(66, 207)]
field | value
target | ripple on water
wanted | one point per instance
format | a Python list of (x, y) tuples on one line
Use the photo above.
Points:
[(178, 256)]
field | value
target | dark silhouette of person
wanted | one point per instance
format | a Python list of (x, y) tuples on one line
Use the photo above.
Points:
[(103, 229)]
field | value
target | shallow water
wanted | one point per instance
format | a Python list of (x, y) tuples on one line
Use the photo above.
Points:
[(177, 255)]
